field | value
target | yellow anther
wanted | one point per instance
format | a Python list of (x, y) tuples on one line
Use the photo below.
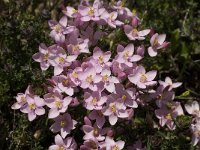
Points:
[(91, 11), (155, 42), (65, 82), (105, 78), (143, 78), (96, 132), (61, 60), (74, 11), (115, 147), (100, 59), (61, 148), (135, 30), (94, 101), (113, 108), (46, 56), (89, 78), (168, 116), (58, 28), (58, 104), (22, 98), (75, 74), (62, 124), (126, 55), (124, 97), (32, 106)]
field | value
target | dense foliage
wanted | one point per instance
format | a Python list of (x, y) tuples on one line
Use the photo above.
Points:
[(23, 25)]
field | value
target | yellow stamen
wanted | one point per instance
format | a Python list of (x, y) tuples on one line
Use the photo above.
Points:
[(61, 148), (89, 78), (58, 104), (100, 59), (143, 78), (65, 82), (96, 132), (62, 124), (91, 11), (124, 97), (22, 98), (74, 11), (61, 60), (113, 108), (46, 56), (115, 147), (58, 28), (168, 116), (94, 101), (75, 74), (76, 48), (126, 53), (134, 12), (105, 78), (32, 106), (135, 30)]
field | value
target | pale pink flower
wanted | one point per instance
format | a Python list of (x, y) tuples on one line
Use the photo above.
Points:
[(193, 108), (157, 42), (33, 107), (63, 124), (133, 34), (141, 78), (168, 83), (63, 144)]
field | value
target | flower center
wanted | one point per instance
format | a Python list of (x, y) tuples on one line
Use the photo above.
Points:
[(124, 97), (58, 28), (65, 82), (105, 78), (134, 31), (94, 101), (58, 104), (61, 60), (113, 108), (89, 78), (62, 124), (46, 56), (32, 106), (143, 78), (155, 43), (134, 12), (126, 55), (100, 59), (96, 132), (91, 11), (61, 148), (168, 116), (74, 11), (22, 98), (75, 74), (115, 147), (99, 113)]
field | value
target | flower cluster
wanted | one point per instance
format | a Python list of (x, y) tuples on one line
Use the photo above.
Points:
[(109, 84)]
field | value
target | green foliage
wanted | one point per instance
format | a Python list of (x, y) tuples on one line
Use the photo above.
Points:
[(23, 26)]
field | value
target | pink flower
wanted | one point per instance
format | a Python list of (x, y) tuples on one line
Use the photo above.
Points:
[(45, 56), (89, 78), (134, 34), (98, 116), (125, 55), (33, 107), (157, 42), (141, 78), (91, 12), (114, 109), (109, 81), (21, 98), (60, 29), (57, 104), (127, 97), (110, 144), (70, 12), (66, 144), (196, 132), (63, 84), (168, 83), (111, 19), (94, 100), (63, 124), (193, 108)]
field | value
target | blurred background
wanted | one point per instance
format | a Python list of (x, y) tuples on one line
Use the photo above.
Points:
[(23, 26)]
